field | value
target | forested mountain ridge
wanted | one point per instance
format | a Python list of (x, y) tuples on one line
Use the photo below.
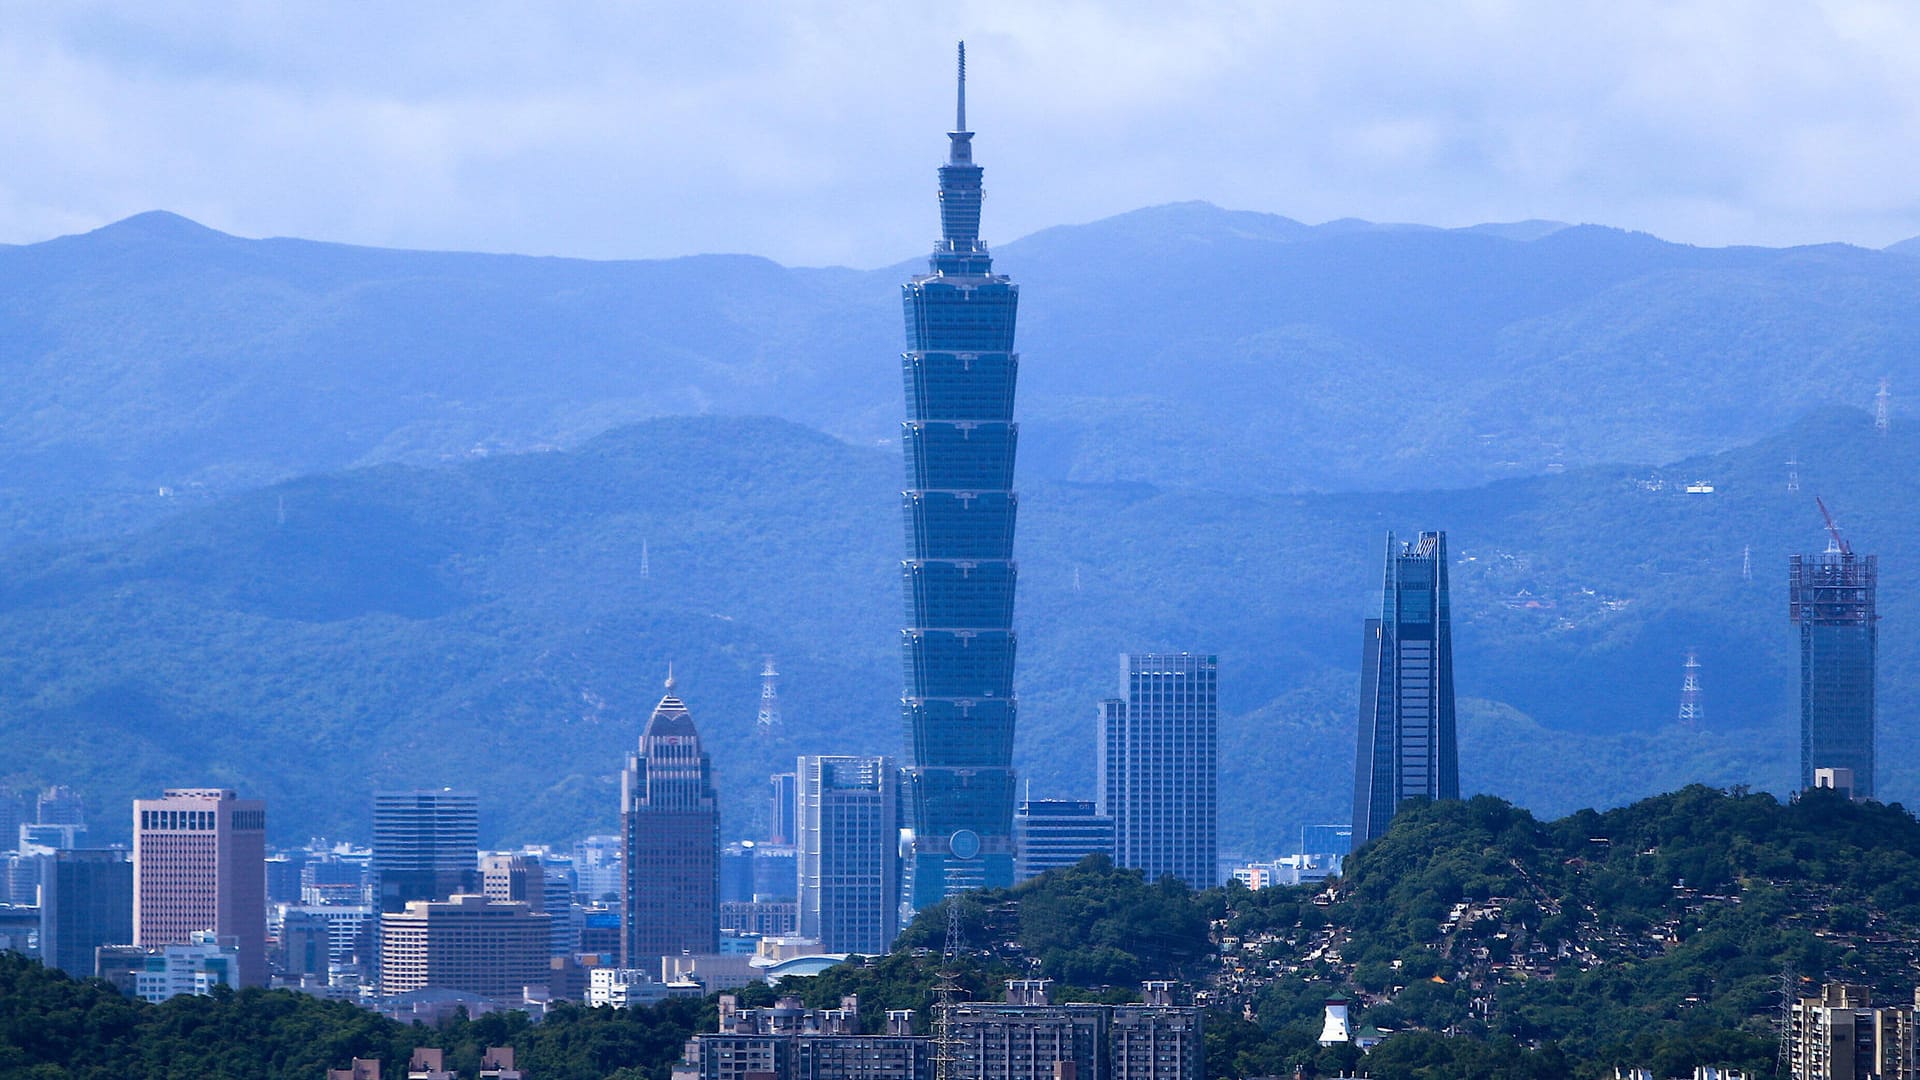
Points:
[(155, 363), (405, 626)]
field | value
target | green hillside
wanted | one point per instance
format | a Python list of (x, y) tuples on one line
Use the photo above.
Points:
[(486, 625)]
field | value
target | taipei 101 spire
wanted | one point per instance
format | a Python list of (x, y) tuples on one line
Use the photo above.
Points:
[(959, 573)]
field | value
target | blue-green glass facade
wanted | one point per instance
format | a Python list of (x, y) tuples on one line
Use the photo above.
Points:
[(959, 507), (1833, 605), (1407, 747)]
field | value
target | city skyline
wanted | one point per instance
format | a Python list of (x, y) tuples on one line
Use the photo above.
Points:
[(1442, 933)]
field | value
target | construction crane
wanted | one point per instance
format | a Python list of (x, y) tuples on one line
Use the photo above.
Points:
[(1837, 542)]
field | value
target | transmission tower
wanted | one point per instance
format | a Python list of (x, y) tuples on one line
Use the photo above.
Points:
[(645, 572), (769, 717), (1690, 711), (1880, 408), (1746, 563), (1787, 984), (1793, 473), (946, 1045)]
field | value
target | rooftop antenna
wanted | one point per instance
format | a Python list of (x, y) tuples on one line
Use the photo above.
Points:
[(1690, 711), (769, 717), (960, 103), (1880, 408), (1836, 544)]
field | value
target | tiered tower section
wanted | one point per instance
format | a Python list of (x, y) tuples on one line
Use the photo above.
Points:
[(959, 440)]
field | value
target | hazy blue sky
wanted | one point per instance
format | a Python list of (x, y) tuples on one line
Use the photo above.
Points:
[(809, 132)]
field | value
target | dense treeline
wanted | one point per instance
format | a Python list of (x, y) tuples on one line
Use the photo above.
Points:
[(53, 1027)]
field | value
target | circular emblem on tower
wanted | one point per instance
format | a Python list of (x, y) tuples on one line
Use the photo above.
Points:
[(965, 844)]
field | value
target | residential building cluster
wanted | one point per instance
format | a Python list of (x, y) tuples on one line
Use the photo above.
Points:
[(1025, 1037)]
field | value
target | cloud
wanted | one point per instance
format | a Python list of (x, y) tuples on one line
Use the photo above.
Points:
[(809, 132)]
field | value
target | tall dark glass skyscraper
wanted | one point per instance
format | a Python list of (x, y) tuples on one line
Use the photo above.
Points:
[(959, 441), (1831, 600), (670, 823), (425, 845), (1407, 748)]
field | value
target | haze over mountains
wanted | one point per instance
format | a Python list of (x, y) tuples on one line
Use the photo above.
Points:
[(471, 613), (1181, 345)]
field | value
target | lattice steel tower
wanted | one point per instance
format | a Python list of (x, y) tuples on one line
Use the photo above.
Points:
[(769, 715), (959, 437), (1690, 710)]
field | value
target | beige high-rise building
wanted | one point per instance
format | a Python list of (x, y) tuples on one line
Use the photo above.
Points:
[(1842, 1035), (514, 877), (200, 864), (494, 948)]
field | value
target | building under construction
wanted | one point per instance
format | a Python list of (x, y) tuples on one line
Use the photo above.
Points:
[(1831, 597)]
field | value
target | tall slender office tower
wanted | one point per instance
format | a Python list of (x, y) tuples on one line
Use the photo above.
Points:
[(849, 858), (425, 845), (200, 864), (1831, 600), (1158, 772), (782, 826), (1407, 748), (670, 818), (959, 440)]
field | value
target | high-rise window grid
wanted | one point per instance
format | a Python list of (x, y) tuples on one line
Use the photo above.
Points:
[(1406, 742), (959, 510), (1158, 773)]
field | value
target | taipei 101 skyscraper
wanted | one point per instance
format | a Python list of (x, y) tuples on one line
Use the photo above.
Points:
[(959, 441)]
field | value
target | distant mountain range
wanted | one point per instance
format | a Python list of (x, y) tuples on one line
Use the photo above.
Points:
[(155, 363), (486, 625)]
